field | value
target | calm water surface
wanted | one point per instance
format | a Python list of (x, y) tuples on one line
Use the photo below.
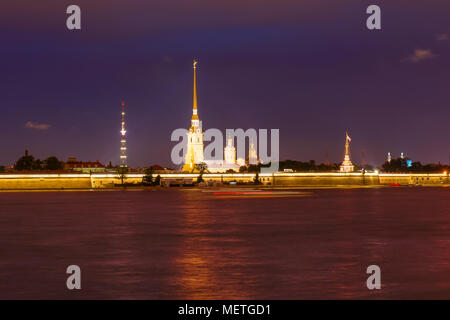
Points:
[(188, 244)]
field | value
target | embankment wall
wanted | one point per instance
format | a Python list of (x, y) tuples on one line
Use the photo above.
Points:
[(99, 181)]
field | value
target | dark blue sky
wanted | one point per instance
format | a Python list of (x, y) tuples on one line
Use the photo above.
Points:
[(309, 68)]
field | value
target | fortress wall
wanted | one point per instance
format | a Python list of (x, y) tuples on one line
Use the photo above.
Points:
[(293, 180), (414, 179), (45, 183), (59, 182), (86, 181), (327, 181), (109, 182), (393, 179)]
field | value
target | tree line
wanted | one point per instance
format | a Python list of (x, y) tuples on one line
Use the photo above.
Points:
[(406, 166), (399, 165), (29, 163), (295, 166)]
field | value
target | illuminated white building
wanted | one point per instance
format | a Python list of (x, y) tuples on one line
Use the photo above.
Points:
[(230, 152), (252, 154)]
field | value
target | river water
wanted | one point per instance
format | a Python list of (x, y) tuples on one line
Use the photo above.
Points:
[(227, 244)]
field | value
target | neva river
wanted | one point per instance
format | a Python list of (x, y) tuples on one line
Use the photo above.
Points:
[(191, 244)]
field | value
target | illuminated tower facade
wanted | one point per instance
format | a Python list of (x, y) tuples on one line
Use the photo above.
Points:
[(123, 140), (230, 152), (252, 154), (194, 154), (347, 165)]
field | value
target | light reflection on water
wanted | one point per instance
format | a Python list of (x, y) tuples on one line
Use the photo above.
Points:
[(190, 244)]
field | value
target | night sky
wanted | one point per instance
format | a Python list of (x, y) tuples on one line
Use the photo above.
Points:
[(310, 68)]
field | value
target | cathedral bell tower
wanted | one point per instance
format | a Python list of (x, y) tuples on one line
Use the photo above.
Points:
[(194, 154), (230, 152)]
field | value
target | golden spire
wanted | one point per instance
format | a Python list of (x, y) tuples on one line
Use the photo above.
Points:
[(195, 86), (194, 106), (347, 144)]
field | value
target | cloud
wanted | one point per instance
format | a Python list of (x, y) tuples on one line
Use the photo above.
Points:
[(420, 55), (442, 37), (166, 59), (37, 125)]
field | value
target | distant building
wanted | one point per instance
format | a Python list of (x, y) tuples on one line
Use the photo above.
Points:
[(230, 152), (240, 162), (230, 162), (84, 167), (157, 169), (252, 155)]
